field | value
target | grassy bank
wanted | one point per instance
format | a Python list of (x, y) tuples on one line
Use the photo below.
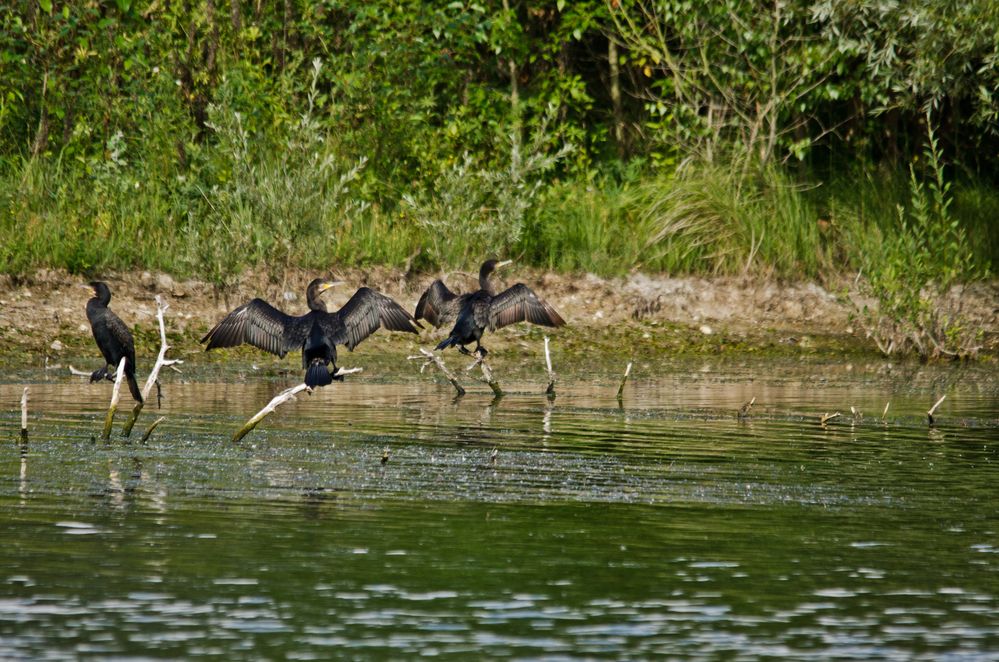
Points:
[(704, 219)]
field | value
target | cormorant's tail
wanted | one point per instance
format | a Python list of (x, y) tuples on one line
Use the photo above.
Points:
[(318, 375), (133, 386), (447, 342)]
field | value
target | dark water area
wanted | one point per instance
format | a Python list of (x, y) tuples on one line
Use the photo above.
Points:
[(579, 528)]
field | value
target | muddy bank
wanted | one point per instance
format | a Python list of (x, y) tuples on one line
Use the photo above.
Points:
[(44, 314)]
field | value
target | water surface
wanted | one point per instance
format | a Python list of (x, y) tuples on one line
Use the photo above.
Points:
[(576, 528)]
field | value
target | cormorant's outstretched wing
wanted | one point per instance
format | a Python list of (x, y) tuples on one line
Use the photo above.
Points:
[(261, 325), (520, 304), (364, 314), (438, 305)]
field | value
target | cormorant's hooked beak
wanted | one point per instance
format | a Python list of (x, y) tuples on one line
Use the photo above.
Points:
[(503, 263), (329, 284)]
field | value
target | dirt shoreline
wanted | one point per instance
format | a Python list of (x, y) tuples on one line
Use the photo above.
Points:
[(44, 313)]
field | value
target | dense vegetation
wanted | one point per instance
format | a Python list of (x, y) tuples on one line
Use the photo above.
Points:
[(797, 138)]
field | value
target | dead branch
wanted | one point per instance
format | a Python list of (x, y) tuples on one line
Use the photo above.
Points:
[(929, 414), (279, 399), (825, 418), (429, 358), (624, 380), (109, 419), (149, 431), (24, 416), (551, 373), (161, 361), (487, 374)]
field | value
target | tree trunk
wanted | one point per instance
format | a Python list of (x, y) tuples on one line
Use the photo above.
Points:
[(615, 93)]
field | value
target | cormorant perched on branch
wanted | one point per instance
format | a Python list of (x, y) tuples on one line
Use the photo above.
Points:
[(474, 312), (113, 339), (317, 332)]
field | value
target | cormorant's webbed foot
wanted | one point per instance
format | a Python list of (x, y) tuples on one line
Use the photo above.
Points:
[(336, 377), (464, 350), (481, 351), (99, 374)]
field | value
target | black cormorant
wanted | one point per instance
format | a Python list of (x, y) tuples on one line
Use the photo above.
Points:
[(316, 333), (113, 338), (474, 312)]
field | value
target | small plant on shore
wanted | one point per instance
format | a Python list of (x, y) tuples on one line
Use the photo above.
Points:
[(475, 210), (277, 203), (911, 279)]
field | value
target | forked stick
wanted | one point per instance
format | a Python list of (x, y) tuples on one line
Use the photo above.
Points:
[(429, 358), (487, 373), (161, 361)]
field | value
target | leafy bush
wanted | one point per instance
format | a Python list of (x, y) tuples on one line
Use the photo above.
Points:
[(921, 258)]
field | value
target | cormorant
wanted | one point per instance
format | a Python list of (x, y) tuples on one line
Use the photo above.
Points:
[(474, 312), (113, 338), (317, 332)]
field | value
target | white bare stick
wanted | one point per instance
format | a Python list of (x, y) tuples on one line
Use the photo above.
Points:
[(624, 380), (744, 410), (885, 412), (279, 399), (161, 361), (148, 432), (24, 415), (487, 373), (78, 373), (551, 373), (429, 358), (347, 371), (109, 419), (825, 418), (929, 414)]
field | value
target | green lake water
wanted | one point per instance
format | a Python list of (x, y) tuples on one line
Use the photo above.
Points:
[(579, 528)]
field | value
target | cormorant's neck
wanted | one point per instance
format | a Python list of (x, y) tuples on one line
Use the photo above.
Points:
[(102, 297), (316, 304), (485, 283)]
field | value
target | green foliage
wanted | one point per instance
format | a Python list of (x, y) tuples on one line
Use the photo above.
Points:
[(476, 210), (201, 138), (919, 261)]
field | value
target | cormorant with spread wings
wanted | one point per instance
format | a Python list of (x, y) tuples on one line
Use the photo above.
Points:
[(474, 312), (317, 333)]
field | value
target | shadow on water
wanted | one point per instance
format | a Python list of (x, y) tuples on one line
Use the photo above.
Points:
[(393, 520)]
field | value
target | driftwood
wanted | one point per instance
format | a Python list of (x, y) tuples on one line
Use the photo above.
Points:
[(429, 358), (744, 410), (551, 373), (24, 416), (115, 392), (487, 374), (825, 418), (149, 430), (885, 412), (929, 414), (624, 380), (279, 399), (161, 361)]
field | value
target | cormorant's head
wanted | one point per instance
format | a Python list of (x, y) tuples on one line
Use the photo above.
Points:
[(315, 290), (101, 291), (490, 266)]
